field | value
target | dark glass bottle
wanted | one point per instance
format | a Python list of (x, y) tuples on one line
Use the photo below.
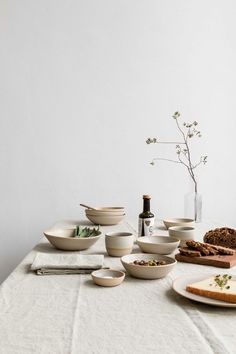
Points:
[(146, 218)]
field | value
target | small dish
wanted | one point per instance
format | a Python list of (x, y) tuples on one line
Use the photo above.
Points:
[(158, 244), (182, 233), (63, 239), (178, 222), (147, 272), (108, 277), (119, 244)]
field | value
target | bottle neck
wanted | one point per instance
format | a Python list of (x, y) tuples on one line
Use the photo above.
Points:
[(146, 205)]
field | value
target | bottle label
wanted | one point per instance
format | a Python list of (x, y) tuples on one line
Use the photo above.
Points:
[(146, 227)]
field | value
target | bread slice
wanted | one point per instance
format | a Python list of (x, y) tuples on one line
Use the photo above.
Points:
[(209, 288), (188, 252)]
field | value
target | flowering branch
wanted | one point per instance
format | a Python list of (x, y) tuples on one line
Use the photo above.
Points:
[(183, 148)]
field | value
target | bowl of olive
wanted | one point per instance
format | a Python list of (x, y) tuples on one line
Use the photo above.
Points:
[(148, 266)]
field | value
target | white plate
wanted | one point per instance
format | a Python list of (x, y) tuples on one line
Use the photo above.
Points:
[(179, 285)]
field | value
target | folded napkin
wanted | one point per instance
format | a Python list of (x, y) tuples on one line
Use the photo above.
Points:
[(73, 263)]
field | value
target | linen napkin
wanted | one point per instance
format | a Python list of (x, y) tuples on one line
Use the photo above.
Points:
[(73, 263)]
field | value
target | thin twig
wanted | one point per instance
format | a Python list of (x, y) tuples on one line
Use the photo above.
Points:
[(199, 163), (162, 159), (190, 167), (170, 142), (180, 128), (181, 161)]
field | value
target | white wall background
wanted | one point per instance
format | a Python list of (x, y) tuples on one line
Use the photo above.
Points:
[(84, 83)]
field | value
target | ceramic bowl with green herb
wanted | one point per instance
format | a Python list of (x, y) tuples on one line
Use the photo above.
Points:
[(76, 238)]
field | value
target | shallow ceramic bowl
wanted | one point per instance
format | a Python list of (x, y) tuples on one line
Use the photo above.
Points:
[(147, 272), (119, 244), (158, 244), (182, 233), (110, 210), (63, 240), (178, 222), (104, 213), (104, 219), (108, 277)]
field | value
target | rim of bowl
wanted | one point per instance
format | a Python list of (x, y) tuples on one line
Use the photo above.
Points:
[(105, 211), (173, 260), (182, 228), (72, 237), (106, 208), (178, 220), (119, 234), (172, 240), (106, 216), (121, 274)]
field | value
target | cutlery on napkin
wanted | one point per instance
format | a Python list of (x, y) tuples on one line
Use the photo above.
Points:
[(73, 263)]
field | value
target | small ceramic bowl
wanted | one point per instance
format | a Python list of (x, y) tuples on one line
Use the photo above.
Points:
[(108, 277), (105, 219), (147, 272), (119, 244), (182, 233), (158, 244), (106, 210), (63, 239), (178, 222), (103, 213)]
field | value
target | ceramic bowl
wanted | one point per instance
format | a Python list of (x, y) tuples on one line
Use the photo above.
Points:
[(158, 244), (108, 277), (104, 213), (147, 272), (178, 222), (119, 244), (105, 219), (106, 210), (182, 233), (63, 240)]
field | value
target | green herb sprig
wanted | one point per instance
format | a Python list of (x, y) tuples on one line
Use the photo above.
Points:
[(222, 280), (86, 231)]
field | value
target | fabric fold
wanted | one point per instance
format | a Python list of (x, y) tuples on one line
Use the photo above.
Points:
[(73, 263)]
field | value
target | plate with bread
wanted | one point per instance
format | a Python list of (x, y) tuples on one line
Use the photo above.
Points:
[(214, 290)]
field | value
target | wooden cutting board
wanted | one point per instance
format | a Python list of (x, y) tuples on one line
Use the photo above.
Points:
[(214, 261)]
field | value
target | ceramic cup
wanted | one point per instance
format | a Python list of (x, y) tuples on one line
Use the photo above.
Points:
[(182, 233), (119, 244)]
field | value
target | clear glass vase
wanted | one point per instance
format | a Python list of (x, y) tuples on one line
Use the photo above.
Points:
[(193, 206)]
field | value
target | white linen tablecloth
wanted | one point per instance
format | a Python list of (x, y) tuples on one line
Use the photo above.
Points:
[(68, 314)]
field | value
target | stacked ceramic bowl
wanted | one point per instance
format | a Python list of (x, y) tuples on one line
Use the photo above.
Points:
[(106, 215)]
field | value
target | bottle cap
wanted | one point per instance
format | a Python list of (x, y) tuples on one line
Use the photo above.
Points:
[(146, 196)]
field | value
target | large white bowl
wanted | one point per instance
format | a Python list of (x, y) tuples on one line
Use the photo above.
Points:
[(158, 244), (63, 240), (105, 219), (147, 272), (178, 222)]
